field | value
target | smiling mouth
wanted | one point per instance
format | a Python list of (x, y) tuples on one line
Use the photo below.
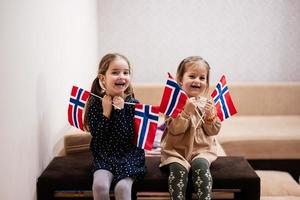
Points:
[(195, 87), (120, 84)]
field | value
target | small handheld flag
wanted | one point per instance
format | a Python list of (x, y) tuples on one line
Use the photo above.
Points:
[(145, 125), (76, 105), (173, 99), (223, 103)]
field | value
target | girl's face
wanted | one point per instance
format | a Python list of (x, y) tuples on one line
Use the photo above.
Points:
[(117, 78), (194, 80)]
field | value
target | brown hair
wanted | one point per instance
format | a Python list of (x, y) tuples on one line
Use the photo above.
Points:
[(192, 61), (96, 87)]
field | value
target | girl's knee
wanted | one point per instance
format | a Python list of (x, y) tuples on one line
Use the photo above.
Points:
[(200, 163), (177, 168), (123, 188), (124, 184), (200, 168), (102, 181), (101, 188)]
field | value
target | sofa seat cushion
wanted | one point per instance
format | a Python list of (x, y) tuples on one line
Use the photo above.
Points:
[(255, 137), (263, 149), (280, 198), (253, 127), (76, 141), (277, 183)]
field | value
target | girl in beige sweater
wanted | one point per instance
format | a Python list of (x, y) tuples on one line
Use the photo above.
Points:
[(188, 142)]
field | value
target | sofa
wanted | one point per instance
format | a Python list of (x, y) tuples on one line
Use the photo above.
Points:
[(265, 132)]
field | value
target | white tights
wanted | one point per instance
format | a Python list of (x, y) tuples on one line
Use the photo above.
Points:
[(102, 182)]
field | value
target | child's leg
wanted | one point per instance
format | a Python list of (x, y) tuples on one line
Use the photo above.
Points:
[(101, 184), (178, 179), (202, 179), (123, 189)]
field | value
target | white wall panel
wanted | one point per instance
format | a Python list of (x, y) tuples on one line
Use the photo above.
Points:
[(46, 47), (248, 40)]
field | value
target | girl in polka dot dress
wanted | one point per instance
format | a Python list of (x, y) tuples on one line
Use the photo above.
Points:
[(117, 161)]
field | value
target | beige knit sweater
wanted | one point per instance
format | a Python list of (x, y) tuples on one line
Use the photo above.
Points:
[(182, 141)]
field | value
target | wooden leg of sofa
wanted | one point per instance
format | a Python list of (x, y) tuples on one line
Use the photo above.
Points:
[(44, 192), (248, 193)]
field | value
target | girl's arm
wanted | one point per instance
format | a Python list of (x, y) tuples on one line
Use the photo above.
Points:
[(212, 126)]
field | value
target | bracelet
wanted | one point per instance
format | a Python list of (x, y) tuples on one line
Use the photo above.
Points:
[(210, 119)]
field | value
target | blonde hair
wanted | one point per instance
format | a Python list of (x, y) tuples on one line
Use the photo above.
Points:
[(189, 62)]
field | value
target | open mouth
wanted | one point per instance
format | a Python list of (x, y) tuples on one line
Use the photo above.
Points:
[(120, 84), (195, 86)]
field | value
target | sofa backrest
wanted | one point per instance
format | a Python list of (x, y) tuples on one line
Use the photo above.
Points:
[(249, 98)]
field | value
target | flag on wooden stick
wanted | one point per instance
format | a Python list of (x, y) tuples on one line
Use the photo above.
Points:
[(222, 99)]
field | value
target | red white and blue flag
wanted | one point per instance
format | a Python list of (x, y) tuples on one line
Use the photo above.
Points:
[(145, 124), (173, 99), (76, 105), (223, 103)]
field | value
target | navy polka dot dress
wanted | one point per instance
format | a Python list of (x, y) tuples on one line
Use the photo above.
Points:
[(112, 141)]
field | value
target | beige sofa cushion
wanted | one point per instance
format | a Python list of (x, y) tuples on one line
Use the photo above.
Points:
[(255, 137), (280, 198), (148, 93), (260, 127), (76, 141), (263, 149), (278, 183), (279, 98)]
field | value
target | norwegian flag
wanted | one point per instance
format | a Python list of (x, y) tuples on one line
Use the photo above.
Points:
[(173, 99), (145, 124), (223, 103), (76, 105)]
